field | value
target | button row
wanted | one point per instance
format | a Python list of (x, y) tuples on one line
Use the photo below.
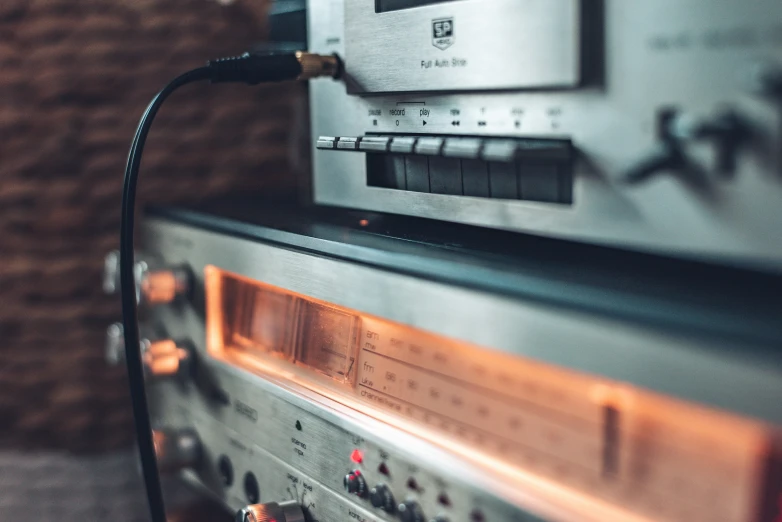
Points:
[(489, 149), (528, 180)]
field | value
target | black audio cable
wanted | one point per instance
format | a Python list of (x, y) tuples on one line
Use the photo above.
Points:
[(247, 68)]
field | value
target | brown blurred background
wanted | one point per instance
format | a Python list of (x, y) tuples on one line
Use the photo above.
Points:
[(75, 76)]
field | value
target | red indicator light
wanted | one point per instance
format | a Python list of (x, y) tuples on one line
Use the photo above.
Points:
[(357, 456)]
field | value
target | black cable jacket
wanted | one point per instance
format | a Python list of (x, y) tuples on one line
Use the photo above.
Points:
[(129, 312), (255, 68), (249, 69)]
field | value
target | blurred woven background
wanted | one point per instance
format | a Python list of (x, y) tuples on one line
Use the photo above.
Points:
[(75, 76)]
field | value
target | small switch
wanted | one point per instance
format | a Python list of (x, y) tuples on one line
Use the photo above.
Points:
[(374, 143), (429, 146), (500, 150), (445, 176), (402, 145), (396, 164), (326, 142), (468, 148), (475, 178), (502, 180), (347, 143), (386, 170), (417, 173)]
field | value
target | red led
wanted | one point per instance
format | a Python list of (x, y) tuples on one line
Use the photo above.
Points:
[(357, 456)]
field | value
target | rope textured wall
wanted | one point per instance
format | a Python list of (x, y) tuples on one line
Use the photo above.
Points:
[(76, 75)]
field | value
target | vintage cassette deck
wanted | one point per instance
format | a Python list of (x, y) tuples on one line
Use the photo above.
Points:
[(540, 280), (647, 125)]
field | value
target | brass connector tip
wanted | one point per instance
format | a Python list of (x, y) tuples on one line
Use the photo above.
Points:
[(317, 65)]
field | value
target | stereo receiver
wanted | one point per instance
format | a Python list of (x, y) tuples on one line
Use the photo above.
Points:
[(653, 126), (539, 280), (365, 376)]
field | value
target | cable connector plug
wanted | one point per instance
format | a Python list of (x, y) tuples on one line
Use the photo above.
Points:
[(257, 68)]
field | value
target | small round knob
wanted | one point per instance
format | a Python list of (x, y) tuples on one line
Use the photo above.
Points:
[(162, 358), (166, 358), (154, 284), (176, 449), (380, 497), (160, 285), (289, 511), (410, 511), (355, 484)]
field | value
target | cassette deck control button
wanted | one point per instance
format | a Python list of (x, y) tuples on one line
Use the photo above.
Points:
[(417, 174), (503, 182), (500, 150), (374, 143), (475, 178), (347, 143), (429, 146), (445, 176), (326, 142), (539, 182), (403, 145), (468, 148)]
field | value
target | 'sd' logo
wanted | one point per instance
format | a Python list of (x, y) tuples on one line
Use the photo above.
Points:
[(442, 33)]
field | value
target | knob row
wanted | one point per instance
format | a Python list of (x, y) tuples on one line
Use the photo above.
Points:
[(179, 449), (380, 497)]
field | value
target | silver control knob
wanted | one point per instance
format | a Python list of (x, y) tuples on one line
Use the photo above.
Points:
[(289, 511), (355, 484), (162, 358), (410, 511), (176, 449), (154, 284), (381, 497), (160, 285)]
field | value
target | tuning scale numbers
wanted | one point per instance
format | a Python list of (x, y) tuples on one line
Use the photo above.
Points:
[(481, 415), (423, 383)]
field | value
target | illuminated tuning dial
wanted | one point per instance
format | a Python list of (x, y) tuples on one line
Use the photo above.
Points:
[(410, 511), (289, 511), (154, 285), (355, 484), (162, 358), (176, 449)]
